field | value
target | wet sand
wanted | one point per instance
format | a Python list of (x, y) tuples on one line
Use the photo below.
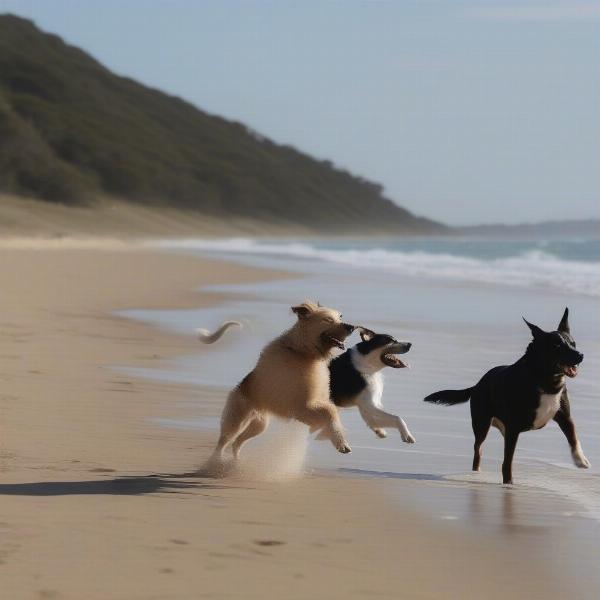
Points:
[(98, 501)]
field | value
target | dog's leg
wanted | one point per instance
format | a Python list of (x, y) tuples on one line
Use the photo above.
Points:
[(480, 429), (565, 422), (481, 421), (375, 418), (510, 443), (499, 425), (254, 428), (325, 417), (378, 431), (235, 417)]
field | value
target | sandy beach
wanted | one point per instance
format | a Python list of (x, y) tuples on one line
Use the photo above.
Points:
[(97, 501)]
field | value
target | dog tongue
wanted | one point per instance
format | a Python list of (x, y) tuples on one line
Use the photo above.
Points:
[(393, 361), (571, 371)]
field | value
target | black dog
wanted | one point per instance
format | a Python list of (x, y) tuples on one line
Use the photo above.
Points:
[(356, 380), (525, 395)]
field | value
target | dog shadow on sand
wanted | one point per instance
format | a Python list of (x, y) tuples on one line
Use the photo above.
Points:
[(163, 483), (205, 478)]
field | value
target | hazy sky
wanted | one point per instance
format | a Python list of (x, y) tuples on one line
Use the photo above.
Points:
[(467, 111)]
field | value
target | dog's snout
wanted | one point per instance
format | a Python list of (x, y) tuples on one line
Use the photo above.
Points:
[(408, 345), (580, 356), (349, 328)]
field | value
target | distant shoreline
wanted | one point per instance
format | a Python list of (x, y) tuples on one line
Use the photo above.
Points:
[(589, 228), (31, 218)]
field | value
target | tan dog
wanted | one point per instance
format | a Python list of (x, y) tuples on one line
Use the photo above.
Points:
[(290, 380)]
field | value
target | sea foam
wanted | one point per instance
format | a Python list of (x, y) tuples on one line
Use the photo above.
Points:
[(530, 268)]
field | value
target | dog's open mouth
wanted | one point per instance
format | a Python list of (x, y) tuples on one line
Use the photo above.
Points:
[(332, 340), (391, 360), (569, 370)]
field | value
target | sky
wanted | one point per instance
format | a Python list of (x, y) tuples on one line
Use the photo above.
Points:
[(467, 111)]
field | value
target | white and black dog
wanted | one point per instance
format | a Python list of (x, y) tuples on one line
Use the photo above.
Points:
[(356, 380)]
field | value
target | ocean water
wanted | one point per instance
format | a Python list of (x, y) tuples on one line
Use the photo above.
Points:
[(459, 302), (563, 265)]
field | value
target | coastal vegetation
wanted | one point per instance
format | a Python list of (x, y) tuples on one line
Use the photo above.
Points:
[(72, 131)]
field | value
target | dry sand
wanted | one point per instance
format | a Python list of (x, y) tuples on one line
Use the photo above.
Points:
[(95, 500), (110, 217)]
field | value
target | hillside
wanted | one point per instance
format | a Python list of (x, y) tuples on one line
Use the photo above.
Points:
[(72, 132)]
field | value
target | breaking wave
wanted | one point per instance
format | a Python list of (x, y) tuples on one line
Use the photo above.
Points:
[(534, 267)]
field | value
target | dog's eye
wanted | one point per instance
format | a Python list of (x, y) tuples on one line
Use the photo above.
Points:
[(328, 320)]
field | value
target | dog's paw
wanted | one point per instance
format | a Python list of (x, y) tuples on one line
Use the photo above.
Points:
[(344, 449), (579, 457), (581, 461), (408, 438), (217, 467), (380, 433)]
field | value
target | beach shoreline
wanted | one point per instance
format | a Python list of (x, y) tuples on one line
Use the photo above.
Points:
[(97, 499)]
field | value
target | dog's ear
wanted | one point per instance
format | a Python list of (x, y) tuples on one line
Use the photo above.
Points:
[(563, 326), (535, 330), (366, 334), (303, 310)]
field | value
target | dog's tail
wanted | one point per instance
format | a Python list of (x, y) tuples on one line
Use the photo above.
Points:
[(449, 397), (206, 337)]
